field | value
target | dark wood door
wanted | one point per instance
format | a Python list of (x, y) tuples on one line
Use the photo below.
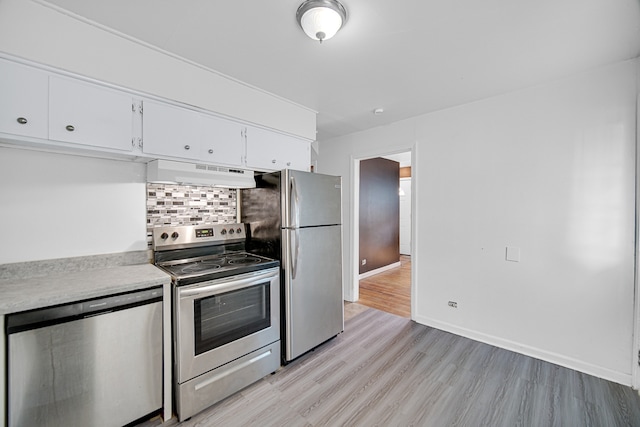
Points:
[(379, 213)]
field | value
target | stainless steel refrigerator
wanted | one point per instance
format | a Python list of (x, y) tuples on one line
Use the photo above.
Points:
[(295, 217)]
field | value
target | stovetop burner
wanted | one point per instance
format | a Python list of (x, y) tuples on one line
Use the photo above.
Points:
[(198, 266), (243, 259)]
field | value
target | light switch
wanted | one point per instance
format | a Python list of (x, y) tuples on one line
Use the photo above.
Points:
[(513, 254)]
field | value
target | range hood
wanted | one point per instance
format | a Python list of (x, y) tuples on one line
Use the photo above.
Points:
[(168, 171)]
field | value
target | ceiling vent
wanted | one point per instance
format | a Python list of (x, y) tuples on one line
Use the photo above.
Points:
[(168, 171)]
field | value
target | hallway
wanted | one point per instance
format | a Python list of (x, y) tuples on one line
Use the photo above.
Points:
[(389, 291)]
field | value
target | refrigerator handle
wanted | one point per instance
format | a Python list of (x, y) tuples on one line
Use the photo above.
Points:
[(293, 253), (294, 205)]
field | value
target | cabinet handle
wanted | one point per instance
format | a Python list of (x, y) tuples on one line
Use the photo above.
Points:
[(210, 151), (22, 120), (273, 161), (187, 147), (70, 128)]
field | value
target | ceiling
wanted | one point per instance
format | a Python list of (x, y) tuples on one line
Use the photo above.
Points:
[(408, 57)]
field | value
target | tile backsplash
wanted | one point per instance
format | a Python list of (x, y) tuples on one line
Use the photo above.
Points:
[(172, 204)]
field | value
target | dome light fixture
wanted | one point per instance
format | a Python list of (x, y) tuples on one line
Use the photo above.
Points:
[(321, 19)]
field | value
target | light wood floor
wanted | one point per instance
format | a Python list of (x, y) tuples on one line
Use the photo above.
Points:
[(390, 371), (389, 291)]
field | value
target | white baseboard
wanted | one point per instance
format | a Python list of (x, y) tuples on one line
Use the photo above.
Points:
[(379, 270)]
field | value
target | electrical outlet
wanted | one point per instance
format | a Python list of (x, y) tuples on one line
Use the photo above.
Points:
[(453, 304), (364, 261)]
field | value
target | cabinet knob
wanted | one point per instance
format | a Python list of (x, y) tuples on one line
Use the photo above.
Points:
[(288, 163), (210, 151), (22, 120), (70, 128), (273, 161), (187, 147)]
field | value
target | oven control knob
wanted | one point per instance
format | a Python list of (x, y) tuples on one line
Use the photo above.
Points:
[(174, 235), (223, 231), (239, 230), (164, 236)]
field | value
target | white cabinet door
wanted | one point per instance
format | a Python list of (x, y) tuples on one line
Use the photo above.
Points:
[(23, 100), (88, 114), (297, 154), (267, 150), (261, 150), (222, 141), (170, 131)]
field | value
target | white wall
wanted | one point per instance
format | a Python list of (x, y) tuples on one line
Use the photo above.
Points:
[(549, 170), (405, 216), (58, 206), (41, 34)]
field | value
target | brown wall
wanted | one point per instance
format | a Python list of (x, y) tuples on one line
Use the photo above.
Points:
[(379, 213)]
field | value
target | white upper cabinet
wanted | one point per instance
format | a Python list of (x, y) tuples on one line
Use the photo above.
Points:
[(88, 114), (222, 141), (268, 150), (178, 132), (171, 131), (23, 100), (52, 110)]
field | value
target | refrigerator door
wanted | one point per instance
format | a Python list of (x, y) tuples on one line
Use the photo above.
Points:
[(310, 199), (313, 304)]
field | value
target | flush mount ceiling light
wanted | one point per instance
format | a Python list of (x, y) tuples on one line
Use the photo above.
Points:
[(321, 19)]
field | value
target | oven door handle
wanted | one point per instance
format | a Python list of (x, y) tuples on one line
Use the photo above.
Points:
[(201, 291)]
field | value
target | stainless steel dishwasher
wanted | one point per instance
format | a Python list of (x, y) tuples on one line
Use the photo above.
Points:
[(90, 363)]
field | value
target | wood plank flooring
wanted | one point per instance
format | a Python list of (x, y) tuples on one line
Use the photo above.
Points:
[(390, 290), (387, 370)]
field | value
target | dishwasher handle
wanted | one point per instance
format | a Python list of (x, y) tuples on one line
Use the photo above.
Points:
[(42, 317)]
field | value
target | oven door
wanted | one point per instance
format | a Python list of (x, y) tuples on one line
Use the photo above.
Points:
[(221, 320)]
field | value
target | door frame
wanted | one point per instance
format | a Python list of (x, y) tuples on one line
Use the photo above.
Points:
[(354, 241), (635, 348)]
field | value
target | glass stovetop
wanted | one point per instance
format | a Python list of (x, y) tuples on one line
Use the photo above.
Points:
[(216, 265)]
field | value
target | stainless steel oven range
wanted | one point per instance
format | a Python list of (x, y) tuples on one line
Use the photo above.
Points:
[(226, 312)]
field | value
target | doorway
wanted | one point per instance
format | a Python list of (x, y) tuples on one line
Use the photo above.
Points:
[(386, 285)]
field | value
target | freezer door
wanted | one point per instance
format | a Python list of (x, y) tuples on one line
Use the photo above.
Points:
[(310, 199), (313, 302)]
